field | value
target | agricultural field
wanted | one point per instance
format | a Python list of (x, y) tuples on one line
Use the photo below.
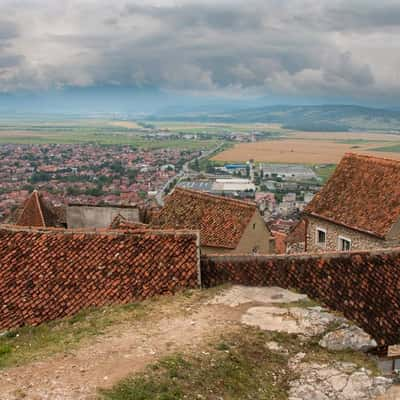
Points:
[(314, 148), (283, 146), (101, 132), (217, 128), (125, 124)]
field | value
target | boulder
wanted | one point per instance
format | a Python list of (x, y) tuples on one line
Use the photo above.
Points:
[(348, 338)]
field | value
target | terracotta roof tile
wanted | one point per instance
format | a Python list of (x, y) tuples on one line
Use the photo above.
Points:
[(297, 233), (280, 242), (49, 273), (39, 212), (363, 194), (221, 220), (120, 222)]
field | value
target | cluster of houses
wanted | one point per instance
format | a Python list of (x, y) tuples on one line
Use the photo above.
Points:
[(86, 173), (358, 209)]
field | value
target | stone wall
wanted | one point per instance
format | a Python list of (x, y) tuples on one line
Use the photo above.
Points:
[(296, 248), (359, 240), (364, 286)]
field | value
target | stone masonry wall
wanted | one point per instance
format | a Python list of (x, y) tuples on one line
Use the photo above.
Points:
[(359, 240), (364, 286)]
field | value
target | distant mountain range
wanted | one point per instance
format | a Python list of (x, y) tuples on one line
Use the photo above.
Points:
[(310, 118), (149, 103)]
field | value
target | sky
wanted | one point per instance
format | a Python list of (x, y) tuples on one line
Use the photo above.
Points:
[(280, 50)]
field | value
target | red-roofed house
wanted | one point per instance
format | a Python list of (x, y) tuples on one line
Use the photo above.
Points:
[(358, 208), (226, 225)]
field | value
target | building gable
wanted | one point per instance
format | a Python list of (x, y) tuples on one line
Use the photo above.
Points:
[(221, 220), (38, 212)]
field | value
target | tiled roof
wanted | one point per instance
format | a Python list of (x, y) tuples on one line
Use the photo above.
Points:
[(362, 194), (221, 220), (48, 273), (280, 242), (297, 233), (38, 212), (117, 221), (120, 222)]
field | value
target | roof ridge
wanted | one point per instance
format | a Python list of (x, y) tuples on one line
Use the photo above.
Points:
[(92, 231), (216, 197), (36, 194)]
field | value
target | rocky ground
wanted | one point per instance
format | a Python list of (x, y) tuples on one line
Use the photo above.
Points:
[(129, 348), (316, 381)]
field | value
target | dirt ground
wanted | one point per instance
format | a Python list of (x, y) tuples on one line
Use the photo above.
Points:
[(123, 350), (129, 348)]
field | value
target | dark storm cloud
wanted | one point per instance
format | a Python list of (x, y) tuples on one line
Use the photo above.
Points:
[(284, 47)]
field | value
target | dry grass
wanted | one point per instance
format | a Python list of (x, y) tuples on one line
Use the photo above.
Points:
[(125, 124), (237, 367), (343, 136), (29, 343), (298, 151)]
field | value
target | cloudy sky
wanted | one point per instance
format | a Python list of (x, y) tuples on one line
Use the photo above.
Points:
[(309, 49)]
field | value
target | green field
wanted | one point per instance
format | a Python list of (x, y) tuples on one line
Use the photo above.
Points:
[(392, 149), (95, 132), (324, 171), (110, 139)]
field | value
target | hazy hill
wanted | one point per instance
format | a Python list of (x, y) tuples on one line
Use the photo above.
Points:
[(319, 117)]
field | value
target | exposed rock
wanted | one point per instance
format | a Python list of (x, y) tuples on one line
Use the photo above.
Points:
[(238, 295), (296, 360), (330, 381), (336, 381), (348, 338), (303, 321)]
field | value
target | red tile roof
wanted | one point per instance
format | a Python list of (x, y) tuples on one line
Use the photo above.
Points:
[(221, 220), (48, 273), (280, 242), (362, 194), (297, 233), (38, 212), (120, 222)]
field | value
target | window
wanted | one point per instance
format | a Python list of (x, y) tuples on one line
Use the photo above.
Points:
[(321, 237), (254, 226), (344, 244)]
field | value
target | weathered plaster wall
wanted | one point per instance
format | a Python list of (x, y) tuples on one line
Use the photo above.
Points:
[(98, 217)]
